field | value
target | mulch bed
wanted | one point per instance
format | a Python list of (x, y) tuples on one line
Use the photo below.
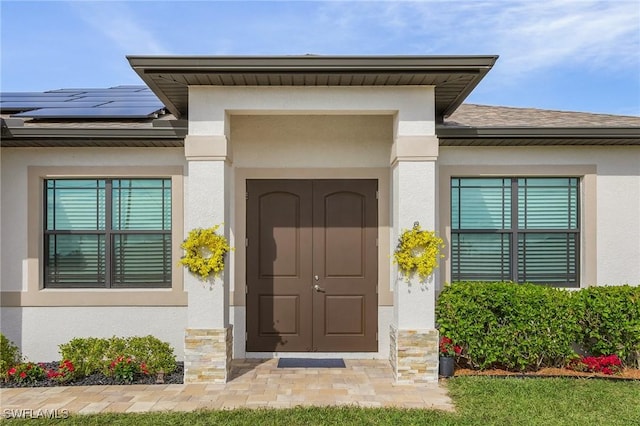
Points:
[(626, 374), (99, 379)]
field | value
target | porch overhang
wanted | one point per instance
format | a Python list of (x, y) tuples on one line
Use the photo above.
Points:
[(454, 77)]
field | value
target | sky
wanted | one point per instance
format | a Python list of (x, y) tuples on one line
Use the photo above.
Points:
[(575, 55)]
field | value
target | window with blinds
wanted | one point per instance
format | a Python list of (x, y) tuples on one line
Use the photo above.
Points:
[(516, 229), (107, 233)]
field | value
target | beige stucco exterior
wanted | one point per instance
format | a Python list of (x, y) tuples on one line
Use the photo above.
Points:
[(610, 192), (40, 319), (240, 133)]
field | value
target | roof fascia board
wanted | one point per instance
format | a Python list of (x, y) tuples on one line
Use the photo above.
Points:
[(537, 132), (310, 63), (466, 142), (92, 143), (57, 132)]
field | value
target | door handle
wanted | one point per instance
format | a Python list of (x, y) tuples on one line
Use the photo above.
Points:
[(318, 288)]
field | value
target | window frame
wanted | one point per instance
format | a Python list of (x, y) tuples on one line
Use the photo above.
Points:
[(109, 233), (514, 231), (33, 292), (587, 174)]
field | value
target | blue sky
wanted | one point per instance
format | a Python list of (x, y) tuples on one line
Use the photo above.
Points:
[(575, 55)]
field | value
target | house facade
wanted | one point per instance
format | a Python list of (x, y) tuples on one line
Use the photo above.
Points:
[(314, 166)]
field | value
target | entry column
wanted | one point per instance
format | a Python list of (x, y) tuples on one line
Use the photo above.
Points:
[(208, 337), (413, 336)]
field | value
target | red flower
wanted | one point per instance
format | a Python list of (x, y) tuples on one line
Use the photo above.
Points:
[(609, 364), (447, 348), (12, 371), (23, 375)]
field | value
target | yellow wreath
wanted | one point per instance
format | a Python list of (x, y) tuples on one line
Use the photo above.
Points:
[(418, 252), (204, 252)]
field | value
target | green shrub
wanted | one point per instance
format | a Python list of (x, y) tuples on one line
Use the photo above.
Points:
[(609, 319), (9, 355), (158, 355), (511, 326), (91, 355), (88, 354)]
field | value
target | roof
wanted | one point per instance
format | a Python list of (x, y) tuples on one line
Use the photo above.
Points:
[(124, 102), (468, 125), (454, 77), (496, 125), (471, 115)]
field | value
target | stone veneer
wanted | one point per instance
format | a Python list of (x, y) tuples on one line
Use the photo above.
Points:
[(414, 355), (207, 355)]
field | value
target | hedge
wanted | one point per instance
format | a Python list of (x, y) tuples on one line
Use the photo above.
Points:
[(90, 354), (610, 321), (527, 326)]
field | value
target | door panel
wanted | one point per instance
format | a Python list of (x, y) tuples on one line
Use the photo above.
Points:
[(306, 233), (345, 259), (278, 265), (344, 227)]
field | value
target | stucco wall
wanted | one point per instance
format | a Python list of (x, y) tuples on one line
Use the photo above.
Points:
[(617, 200), (39, 330), (46, 327), (318, 141)]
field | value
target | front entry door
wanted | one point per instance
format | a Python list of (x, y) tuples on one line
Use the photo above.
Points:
[(312, 265)]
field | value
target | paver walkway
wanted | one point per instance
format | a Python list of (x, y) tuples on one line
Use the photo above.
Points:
[(254, 384)]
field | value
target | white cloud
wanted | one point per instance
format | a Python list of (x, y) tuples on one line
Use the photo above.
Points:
[(543, 34), (116, 21), (529, 35)]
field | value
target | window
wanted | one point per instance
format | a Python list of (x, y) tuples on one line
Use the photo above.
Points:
[(107, 233), (515, 229)]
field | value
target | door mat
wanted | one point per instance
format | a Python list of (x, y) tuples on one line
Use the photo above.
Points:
[(311, 363)]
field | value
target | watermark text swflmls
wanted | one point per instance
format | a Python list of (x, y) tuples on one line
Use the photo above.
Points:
[(29, 413)]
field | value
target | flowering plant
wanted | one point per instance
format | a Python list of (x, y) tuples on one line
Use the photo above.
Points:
[(204, 252), (26, 372), (64, 373), (418, 252), (606, 364), (125, 369), (447, 348)]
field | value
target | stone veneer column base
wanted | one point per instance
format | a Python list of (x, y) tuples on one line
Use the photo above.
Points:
[(414, 355), (207, 355)]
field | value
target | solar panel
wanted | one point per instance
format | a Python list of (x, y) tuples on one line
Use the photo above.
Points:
[(21, 106), (117, 98), (123, 112), (38, 98), (115, 102), (33, 94), (136, 103)]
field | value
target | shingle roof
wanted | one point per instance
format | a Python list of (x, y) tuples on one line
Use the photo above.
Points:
[(471, 115)]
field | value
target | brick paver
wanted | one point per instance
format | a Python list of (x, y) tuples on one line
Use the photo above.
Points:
[(253, 384)]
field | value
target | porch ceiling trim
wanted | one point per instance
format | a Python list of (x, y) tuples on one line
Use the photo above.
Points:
[(454, 77)]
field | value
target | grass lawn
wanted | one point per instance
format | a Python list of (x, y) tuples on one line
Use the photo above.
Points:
[(479, 401)]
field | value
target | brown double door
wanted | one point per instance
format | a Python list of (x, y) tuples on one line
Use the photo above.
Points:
[(312, 265)]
